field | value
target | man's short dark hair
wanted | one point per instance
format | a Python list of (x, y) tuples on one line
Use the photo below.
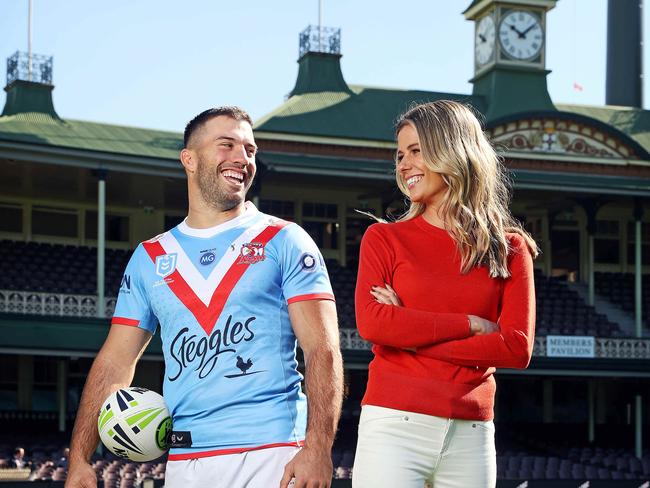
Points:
[(197, 122)]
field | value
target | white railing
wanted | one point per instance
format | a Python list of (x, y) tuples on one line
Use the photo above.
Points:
[(65, 305), (622, 348), (350, 339), (605, 348), (58, 304)]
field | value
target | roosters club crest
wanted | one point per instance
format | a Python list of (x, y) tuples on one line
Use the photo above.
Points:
[(251, 253)]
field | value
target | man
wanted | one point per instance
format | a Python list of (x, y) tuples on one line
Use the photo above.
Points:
[(63, 460), (19, 460), (232, 289)]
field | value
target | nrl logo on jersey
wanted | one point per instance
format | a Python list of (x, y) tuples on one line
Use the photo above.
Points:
[(251, 253), (165, 264)]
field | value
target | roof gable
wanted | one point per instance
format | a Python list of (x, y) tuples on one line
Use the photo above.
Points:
[(634, 122), (564, 135)]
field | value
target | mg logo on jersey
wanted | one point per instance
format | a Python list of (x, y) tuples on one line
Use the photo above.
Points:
[(251, 253), (207, 258), (165, 264)]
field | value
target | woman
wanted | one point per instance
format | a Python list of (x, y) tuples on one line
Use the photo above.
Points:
[(445, 295)]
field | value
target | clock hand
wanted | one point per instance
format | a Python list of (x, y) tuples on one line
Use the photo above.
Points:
[(528, 29), (483, 39), (512, 27)]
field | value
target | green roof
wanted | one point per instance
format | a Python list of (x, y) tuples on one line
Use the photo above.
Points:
[(370, 113), (361, 115), (339, 166), (43, 129), (367, 113)]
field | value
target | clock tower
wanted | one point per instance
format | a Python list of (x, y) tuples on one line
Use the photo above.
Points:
[(510, 54)]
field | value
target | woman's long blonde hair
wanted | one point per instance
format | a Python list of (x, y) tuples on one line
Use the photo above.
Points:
[(475, 205)]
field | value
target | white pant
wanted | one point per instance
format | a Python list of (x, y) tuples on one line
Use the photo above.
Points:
[(412, 450), (251, 469)]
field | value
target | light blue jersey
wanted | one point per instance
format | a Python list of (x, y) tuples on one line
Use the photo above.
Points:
[(221, 296)]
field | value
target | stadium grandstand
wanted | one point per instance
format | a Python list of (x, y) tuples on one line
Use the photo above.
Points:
[(76, 197)]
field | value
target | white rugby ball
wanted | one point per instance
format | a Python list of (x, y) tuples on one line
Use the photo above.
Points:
[(134, 424)]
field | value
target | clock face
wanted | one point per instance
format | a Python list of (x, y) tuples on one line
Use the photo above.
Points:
[(484, 41), (520, 34)]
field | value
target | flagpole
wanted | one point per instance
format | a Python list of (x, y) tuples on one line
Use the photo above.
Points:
[(29, 41), (320, 25)]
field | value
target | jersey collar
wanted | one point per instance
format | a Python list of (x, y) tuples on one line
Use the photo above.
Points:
[(249, 213)]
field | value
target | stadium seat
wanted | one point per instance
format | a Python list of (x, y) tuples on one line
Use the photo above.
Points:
[(577, 471), (30, 267), (67, 269), (604, 474), (591, 472)]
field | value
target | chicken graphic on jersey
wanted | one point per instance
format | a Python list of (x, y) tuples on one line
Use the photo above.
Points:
[(243, 366)]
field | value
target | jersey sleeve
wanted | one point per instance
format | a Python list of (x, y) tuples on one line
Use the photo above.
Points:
[(133, 307), (304, 275)]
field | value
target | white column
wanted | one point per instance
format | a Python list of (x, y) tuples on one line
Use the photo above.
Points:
[(101, 243)]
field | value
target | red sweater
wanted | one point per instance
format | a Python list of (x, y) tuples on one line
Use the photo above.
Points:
[(451, 374)]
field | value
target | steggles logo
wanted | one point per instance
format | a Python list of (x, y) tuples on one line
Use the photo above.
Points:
[(251, 253), (189, 350)]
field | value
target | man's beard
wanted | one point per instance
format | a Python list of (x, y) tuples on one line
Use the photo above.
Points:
[(212, 188)]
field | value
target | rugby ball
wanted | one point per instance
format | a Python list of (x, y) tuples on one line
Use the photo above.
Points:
[(134, 424)]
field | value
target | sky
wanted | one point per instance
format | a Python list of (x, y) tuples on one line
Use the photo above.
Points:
[(157, 63)]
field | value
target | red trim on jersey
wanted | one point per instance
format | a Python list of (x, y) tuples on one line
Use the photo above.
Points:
[(223, 452), (311, 296), (207, 316), (125, 321)]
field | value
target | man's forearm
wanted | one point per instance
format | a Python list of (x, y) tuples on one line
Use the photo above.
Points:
[(324, 385), (104, 377)]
